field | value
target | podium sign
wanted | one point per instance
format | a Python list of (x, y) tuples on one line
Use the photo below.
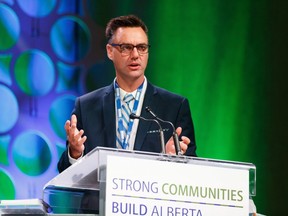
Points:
[(111, 182), (137, 186)]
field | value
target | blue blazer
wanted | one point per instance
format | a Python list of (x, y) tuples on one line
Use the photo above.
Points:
[(95, 113)]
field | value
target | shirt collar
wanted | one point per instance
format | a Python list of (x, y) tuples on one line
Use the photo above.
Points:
[(123, 92)]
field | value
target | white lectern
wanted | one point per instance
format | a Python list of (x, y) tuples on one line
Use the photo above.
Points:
[(119, 182)]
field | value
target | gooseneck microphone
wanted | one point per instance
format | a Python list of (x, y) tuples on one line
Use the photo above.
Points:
[(175, 135), (161, 134)]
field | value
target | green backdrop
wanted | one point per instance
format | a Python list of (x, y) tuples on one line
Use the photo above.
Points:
[(230, 59)]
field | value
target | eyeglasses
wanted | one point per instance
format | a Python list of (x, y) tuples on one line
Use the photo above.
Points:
[(126, 49)]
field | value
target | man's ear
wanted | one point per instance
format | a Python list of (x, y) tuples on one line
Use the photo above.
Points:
[(109, 51)]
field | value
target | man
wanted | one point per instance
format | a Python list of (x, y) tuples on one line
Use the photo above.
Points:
[(101, 117)]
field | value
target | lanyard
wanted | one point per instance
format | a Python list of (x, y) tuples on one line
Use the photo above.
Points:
[(125, 140)]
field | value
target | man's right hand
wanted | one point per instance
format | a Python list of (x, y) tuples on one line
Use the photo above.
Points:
[(74, 137)]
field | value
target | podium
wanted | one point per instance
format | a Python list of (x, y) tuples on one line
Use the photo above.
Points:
[(150, 184)]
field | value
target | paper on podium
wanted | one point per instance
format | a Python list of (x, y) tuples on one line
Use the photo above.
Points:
[(24, 206)]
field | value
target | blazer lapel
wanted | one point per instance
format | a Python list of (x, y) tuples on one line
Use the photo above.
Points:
[(109, 117), (149, 100)]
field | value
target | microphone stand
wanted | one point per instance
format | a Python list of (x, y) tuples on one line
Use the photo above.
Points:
[(161, 133), (174, 135)]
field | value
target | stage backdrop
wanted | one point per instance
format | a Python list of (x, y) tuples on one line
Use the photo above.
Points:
[(227, 57)]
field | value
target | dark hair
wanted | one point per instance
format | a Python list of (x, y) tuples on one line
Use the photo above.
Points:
[(124, 21)]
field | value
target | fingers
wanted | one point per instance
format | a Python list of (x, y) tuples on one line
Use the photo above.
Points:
[(77, 140), (75, 137), (185, 141), (77, 145), (70, 126), (184, 144), (73, 119), (73, 123), (170, 148), (179, 131), (67, 127)]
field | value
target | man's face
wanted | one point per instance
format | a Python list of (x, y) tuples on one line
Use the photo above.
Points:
[(129, 66)]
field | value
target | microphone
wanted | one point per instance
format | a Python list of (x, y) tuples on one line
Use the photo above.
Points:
[(161, 134), (175, 135)]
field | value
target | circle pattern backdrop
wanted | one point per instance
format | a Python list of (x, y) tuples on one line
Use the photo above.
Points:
[(9, 27), (30, 79), (46, 58), (65, 45)]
